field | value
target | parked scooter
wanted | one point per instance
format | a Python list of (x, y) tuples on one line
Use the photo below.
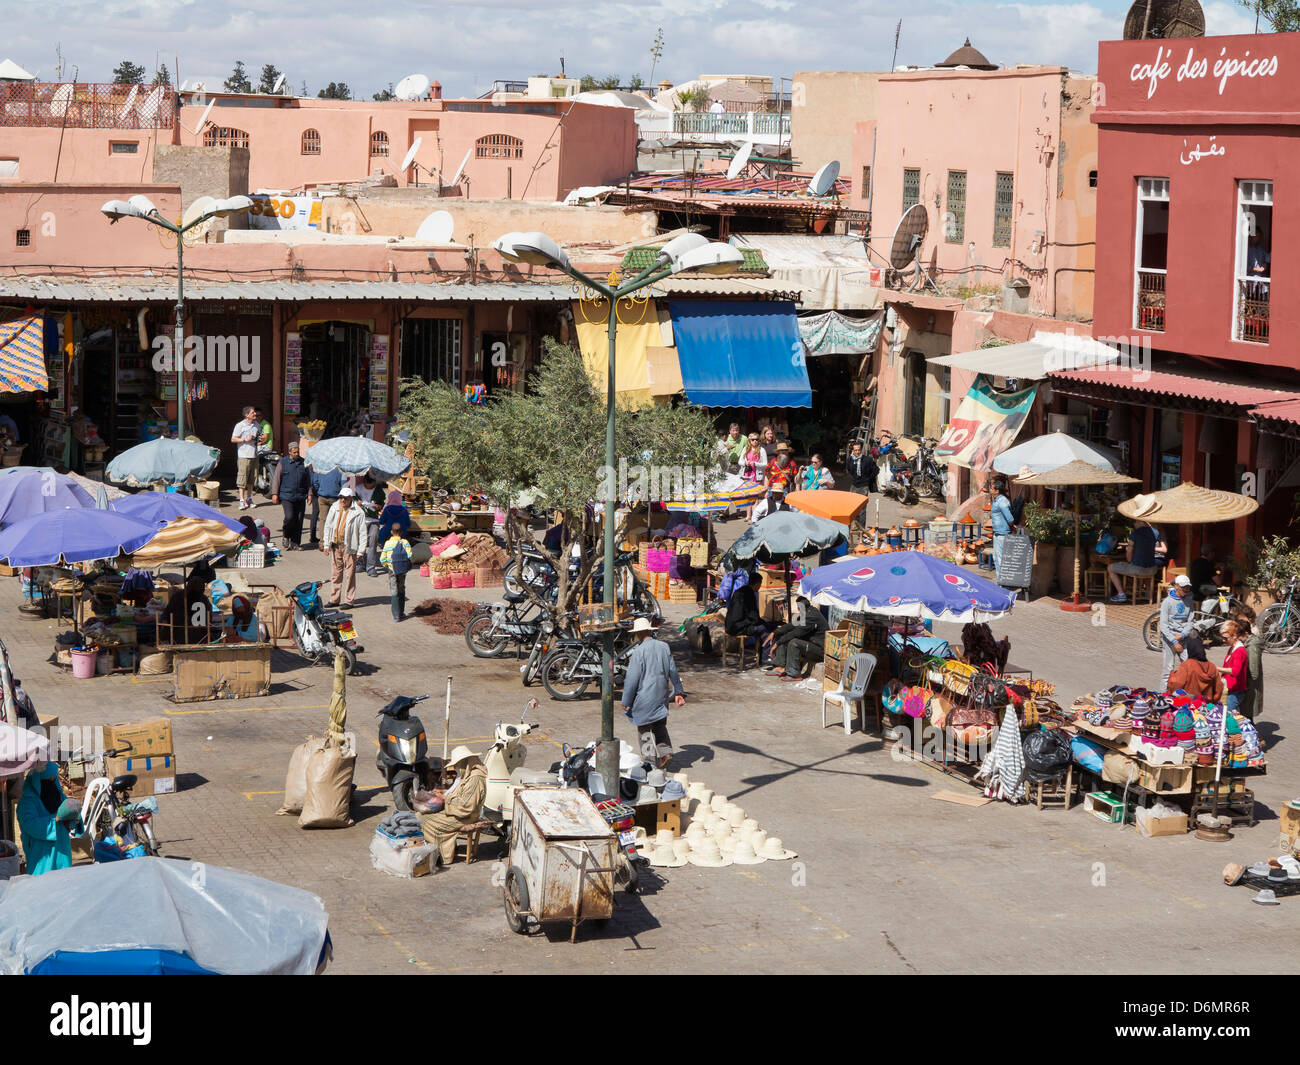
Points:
[(267, 460), (318, 630), (506, 774), (403, 756), (108, 814), (927, 477), (896, 478)]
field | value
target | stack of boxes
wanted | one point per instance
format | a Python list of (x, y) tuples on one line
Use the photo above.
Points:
[(150, 756), (854, 635)]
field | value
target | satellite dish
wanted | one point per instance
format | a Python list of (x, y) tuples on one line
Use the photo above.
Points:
[(195, 210), (130, 99), (409, 157), (824, 180), (460, 170), (61, 100), (740, 159), (149, 106), (1152, 19), (436, 228), (203, 119), (279, 84), (412, 87), (908, 237)]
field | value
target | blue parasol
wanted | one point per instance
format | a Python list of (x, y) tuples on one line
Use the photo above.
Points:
[(157, 507), (59, 537), (31, 491), (357, 454), (907, 584), (163, 461)]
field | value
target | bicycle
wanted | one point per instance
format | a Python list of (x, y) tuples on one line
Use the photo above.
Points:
[(107, 810), (1279, 624)]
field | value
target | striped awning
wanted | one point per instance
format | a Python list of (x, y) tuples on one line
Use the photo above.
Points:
[(183, 541), (22, 355)]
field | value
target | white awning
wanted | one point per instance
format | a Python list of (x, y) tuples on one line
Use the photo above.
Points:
[(1034, 359)]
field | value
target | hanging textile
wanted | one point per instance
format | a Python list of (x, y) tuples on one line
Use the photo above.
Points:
[(832, 333), (22, 355), (984, 425)]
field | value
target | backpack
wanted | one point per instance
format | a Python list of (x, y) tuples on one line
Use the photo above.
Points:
[(398, 560), (730, 582)]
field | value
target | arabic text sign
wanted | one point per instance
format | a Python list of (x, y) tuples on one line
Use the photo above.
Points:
[(1194, 154), (1193, 67)]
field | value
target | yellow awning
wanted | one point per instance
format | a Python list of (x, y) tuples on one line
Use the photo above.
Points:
[(638, 328)]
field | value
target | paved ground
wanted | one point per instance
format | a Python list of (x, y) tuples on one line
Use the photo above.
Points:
[(887, 879)]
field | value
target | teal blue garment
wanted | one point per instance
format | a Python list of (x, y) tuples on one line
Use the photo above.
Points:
[(45, 841)]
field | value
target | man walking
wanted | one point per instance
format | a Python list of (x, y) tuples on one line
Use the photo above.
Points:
[(862, 469), (325, 489), (290, 487), (247, 435), (1003, 522), (651, 678), (344, 540), (396, 558), (1175, 623)]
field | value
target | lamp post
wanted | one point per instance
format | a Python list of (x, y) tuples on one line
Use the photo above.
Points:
[(689, 252), (143, 207)]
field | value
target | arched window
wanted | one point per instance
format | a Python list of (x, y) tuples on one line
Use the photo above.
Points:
[(379, 143), (311, 142), (225, 137), (498, 146)]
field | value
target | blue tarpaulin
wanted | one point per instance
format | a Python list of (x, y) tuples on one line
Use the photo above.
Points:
[(740, 354)]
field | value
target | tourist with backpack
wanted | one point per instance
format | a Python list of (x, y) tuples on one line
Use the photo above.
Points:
[(396, 558)]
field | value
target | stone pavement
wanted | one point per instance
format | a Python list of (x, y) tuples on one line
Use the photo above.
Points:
[(886, 880)]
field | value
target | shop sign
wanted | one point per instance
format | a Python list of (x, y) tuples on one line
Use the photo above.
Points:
[(273, 211), (1197, 67)]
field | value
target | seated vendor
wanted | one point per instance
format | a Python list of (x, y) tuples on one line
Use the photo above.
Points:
[(241, 625), (462, 804), (187, 615)]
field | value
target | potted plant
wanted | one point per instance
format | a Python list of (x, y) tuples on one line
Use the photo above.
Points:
[(1050, 532), (1268, 566)]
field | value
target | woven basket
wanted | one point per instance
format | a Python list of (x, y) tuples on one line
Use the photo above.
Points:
[(488, 576), (683, 593), (698, 550), (643, 553)]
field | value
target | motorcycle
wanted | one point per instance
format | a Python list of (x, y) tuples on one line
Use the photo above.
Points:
[(569, 669), (898, 483), (927, 477), (319, 630), (492, 628), (108, 814), (267, 460), (403, 756), (1207, 621), (506, 774)]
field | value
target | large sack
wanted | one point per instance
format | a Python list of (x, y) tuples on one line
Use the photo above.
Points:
[(295, 781), (329, 788)]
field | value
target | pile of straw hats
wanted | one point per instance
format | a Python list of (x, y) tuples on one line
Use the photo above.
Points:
[(716, 833)]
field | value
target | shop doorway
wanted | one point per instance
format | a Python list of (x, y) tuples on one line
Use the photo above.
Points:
[(336, 374), (834, 412), (236, 346)]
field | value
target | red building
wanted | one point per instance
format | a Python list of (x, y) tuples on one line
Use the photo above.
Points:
[(1198, 272)]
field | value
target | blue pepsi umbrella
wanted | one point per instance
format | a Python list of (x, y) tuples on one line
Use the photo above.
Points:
[(157, 507), (32, 491), (59, 537), (157, 915), (163, 461), (907, 584), (357, 454)]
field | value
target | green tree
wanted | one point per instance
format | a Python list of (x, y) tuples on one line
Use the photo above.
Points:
[(162, 76), (586, 83), (128, 73), (238, 80), (610, 82), (384, 94), (1282, 16), (270, 75), (698, 99), (656, 53), (634, 83), (335, 91), (550, 441)]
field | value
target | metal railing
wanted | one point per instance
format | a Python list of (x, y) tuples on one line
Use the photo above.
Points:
[(731, 124), (1151, 300), (86, 105), (1252, 310)]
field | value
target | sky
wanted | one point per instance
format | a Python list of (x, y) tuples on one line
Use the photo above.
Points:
[(466, 44)]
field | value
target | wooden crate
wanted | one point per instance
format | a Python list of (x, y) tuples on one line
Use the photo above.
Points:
[(838, 644)]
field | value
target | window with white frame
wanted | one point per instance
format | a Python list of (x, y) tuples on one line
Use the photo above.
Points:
[(1254, 261), (1151, 253)]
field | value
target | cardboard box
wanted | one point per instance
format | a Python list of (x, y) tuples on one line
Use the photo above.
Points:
[(155, 774), (652, 816), (1104, 806), (221, 671), (144, 738), (1162, 826), (1119, 768)]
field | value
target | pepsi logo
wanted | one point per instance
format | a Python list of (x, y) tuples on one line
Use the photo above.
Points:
[(955, 579), (893, 599)]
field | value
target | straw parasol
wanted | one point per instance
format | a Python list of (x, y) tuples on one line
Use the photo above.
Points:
[(1189, 504), (1076, 475), (184, 541)]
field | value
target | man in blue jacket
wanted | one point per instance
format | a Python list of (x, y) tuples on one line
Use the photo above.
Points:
[(325, 490), (1003, 521), (291, 488), (651, 679)]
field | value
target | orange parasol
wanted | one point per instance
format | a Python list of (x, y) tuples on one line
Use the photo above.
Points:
[(827, 503)]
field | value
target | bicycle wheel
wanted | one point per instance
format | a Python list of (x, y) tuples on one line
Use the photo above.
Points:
[(476, 636), (1151, 632), (1280, 627), (557, 675)]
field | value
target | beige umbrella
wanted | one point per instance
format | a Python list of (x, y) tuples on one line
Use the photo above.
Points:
[(339, 699), (1076, 475), (183, 541)]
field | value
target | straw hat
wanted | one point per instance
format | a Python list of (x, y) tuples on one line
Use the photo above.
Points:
[(642, 625), (727, 844), (640, 838), (745, 854), (1188, 504), (460, 754), (672, 792), (757, 838), (664, 837), (774, 850), (720, 829), (708, 856), (735, 816), (704, 820), (697, 789), (750, 824), (665, 857), (717, 803), (697, 833), (657, 778), (682, 846), (681, 779)]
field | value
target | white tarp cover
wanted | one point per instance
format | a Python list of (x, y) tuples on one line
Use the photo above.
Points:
[(1033, 360), (832, 273), (833, 333), (224, 920)]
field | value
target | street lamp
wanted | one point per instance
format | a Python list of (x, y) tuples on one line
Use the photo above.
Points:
[(142, 207), (692, 252)]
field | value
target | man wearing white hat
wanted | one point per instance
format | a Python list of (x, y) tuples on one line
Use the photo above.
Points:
[(344, 540), (651, 678), (462, 803), (1175, 623)]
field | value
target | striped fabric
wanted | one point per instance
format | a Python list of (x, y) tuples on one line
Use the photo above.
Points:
[(184, 541), (1004, 767), (22, 355)]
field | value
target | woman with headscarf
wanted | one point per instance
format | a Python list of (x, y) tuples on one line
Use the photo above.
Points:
[(1195, 675), (462, 804), (394, 513), (241, 625), (43, 819)]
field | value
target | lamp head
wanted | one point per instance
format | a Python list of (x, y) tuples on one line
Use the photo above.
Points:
[(116, 209), (538, 249), (711, 258), (679, 246), (232, 205), (144, 206)]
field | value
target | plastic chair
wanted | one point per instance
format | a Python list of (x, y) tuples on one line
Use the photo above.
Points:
[(852, 689)]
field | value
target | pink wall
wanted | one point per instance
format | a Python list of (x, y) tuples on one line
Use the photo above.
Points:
[(79, 156), (1148, 127), (982, 123)]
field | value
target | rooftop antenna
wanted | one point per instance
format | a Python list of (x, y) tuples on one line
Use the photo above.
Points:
[(436, 228), (408, 160), (412, 87), (824, 180), (203, 119), (740, 160), (279, 84), (897, 31)]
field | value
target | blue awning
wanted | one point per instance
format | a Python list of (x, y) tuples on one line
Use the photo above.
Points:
[(735, 354)]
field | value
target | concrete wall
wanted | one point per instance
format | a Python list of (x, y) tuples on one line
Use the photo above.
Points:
[(80, 156), (824, 107), (215, 172)]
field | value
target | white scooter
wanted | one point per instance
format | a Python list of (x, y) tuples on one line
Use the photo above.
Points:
[(506, 774)]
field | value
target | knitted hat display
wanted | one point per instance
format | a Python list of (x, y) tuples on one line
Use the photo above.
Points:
[(1104, 700)]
